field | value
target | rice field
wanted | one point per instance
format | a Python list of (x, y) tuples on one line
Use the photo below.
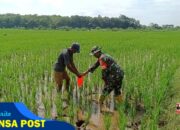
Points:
[(149, 59)]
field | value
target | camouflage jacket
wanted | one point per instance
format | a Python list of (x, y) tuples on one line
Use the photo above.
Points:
[(110, 69)]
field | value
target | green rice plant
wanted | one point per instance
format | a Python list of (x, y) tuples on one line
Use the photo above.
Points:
[(122, 120), (107, 121)]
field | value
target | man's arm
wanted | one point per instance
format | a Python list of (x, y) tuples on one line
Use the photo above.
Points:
[(92, 68), (73, 69), (70, 65)]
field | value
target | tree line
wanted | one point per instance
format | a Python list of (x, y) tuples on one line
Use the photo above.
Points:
[(60, 22), (56, 21)]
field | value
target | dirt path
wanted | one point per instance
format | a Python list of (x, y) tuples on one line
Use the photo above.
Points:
[(172, 120)]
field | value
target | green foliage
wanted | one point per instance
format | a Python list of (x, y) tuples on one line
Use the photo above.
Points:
[(122, 121), (107, 121), (60, 22)]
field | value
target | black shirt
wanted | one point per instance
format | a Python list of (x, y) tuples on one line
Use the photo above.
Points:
[(65, 58)]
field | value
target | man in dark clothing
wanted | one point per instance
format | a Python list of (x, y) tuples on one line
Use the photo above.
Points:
[(112, 75), (65, 59)]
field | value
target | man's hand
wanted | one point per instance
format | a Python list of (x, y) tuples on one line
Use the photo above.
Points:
[(79, 75), (85, 73), (73, 69), (82, 74)]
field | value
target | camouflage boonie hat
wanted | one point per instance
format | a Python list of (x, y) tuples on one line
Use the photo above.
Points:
[(95, 50)]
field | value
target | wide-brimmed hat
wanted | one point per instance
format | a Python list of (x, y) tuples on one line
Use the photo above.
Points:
[(95, 50)]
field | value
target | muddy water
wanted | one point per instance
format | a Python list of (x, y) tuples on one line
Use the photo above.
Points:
[(96, 118), (95, 121), (39, 104)]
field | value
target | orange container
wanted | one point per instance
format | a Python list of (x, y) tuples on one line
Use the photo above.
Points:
[(80, 81)]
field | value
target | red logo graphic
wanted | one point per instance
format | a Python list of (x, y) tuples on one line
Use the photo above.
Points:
[(177, 108)]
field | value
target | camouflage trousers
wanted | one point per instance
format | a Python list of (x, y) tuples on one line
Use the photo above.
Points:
[(113, 81), (113, 84)]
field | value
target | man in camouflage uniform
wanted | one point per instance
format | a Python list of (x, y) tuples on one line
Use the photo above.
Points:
[(112, 75)]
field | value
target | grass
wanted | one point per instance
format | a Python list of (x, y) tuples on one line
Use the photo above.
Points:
[(149, 59), (168, 115)]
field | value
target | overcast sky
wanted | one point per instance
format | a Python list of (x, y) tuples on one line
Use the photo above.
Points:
[(147, 11)]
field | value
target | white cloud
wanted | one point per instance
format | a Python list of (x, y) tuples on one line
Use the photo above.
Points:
[(162, 0), (67, 7)]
